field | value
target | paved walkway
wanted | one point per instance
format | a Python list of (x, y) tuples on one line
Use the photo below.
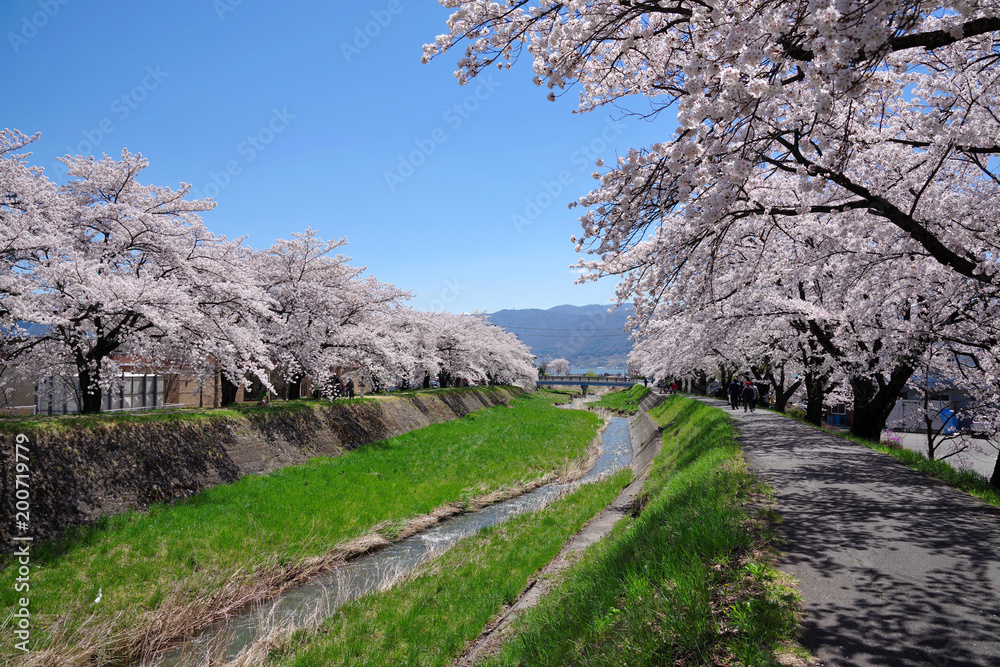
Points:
[(895, 569), (979, 457)]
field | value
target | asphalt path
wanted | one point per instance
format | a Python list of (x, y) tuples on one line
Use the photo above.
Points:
[(894, 568), (979, 455)]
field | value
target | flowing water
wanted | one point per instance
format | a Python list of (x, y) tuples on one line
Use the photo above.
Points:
[(305, 605)]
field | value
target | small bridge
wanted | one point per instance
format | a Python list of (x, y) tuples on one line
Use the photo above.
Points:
[(589, 380)]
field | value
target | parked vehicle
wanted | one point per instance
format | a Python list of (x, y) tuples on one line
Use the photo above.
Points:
[(982, 428)]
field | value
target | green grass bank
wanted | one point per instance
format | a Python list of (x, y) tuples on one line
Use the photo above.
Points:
[(623, 402), (166, 572), (689, 581), (431, 616), (85, 467)]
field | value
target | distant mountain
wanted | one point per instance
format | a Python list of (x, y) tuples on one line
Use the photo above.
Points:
[(586, 336)]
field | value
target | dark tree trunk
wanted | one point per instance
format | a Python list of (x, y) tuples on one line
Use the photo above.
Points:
[(91, 395), (781, 397), (815, 393), (782, 394), (89, 376), (874, 399), (726, 374), (701, 384), (427, 380), (229, 389), (929, 431), (294, 388)]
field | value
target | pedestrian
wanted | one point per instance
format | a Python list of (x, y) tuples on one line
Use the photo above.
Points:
[(350, 388), (734, 394), (750, 395), (673, 387)]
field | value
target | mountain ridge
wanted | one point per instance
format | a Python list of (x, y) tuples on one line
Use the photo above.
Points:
[(583, 335)]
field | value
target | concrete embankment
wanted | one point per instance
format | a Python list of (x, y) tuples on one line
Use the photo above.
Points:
[(646, 442), (81, 470), (645, 435)]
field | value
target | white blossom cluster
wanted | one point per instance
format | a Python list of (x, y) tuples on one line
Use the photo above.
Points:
[(831, 199), (104, 271)]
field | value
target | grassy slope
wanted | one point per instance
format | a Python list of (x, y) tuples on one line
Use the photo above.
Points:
[(625, 402), (192, 547), (431, 616), (686, 582)]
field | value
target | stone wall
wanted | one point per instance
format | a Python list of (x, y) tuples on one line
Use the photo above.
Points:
[(79, 473)]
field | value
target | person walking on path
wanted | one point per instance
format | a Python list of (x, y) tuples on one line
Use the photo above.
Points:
[(750, 395), (350, 388), (734, 394), (894, 567)]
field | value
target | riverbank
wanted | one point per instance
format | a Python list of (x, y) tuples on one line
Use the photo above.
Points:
[(87, 467), (165, 573), (688, 578), (685, 576), (623, 402)]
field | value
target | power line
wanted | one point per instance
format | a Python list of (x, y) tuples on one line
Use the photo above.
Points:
[(567, 336), (561, 328)]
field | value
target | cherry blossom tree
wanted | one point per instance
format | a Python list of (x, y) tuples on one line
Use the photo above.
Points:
[(857, 137), (869, 106), (124, 269), (469, 347), (325, 315), (29, 215), (105, 271), (559, 367)]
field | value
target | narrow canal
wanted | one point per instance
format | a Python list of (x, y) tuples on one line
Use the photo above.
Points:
[(305, 605)]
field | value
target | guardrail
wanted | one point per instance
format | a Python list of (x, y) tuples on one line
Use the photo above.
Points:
[(18, 410), (589, 381), (140, 408)]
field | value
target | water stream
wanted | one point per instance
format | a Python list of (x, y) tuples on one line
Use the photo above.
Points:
[(306, 605)]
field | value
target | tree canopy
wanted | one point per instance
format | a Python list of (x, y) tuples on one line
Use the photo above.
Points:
[(829, 199), (104, 271)]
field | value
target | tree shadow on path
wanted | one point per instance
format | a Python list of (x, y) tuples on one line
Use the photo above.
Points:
[(895, 568)]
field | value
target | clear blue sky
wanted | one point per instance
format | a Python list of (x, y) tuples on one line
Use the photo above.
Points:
[(291, 116)]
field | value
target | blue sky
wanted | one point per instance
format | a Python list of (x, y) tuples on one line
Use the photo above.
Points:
[(318, 114)]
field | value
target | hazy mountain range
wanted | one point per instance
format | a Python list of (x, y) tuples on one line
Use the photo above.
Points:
[(586, 336)]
